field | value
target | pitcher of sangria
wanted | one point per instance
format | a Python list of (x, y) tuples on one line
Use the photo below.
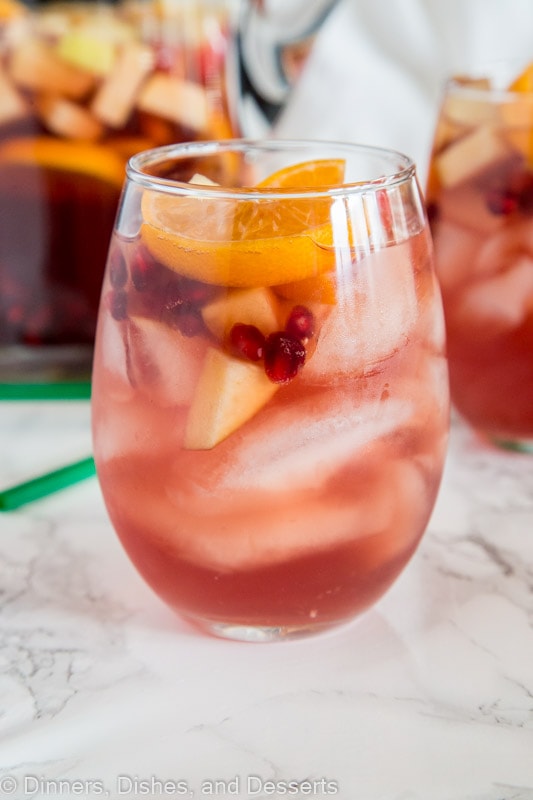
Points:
[(84, 86)]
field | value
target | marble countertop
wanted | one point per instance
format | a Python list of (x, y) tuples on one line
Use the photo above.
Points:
[(104, 692)]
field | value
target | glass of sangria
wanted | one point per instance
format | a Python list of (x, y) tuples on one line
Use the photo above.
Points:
[(270, 394), (83, 86), (480, 205)]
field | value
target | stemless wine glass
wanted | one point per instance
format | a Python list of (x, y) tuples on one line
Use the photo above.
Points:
[(480, 202), (270, 395)]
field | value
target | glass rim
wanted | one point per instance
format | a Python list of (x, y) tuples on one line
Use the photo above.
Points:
[(461, 82), (486, 94), (404, 170)]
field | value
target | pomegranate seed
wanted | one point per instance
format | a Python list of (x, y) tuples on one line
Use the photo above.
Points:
[(118, 304), (284, 355), (301, 323), (118, 272), (196, 292), (142, 269), (502, 202), (247, 341), (525, 200), (172, 296)]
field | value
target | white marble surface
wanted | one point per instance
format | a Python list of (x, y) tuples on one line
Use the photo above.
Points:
[(429, 695)]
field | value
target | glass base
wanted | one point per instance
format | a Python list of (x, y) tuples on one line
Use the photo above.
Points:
[(32, 371), (263, 633)]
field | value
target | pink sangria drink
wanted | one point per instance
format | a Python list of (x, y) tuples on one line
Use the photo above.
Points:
[(480, 202), (270, 395)]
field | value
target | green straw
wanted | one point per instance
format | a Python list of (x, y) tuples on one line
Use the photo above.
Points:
[(74, 390), (43, 485)]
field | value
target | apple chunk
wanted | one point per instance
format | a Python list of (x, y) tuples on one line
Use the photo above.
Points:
[(229, 392), (472, 154), (258, 307)]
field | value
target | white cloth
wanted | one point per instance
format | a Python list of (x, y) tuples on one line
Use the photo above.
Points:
[(377, 68)]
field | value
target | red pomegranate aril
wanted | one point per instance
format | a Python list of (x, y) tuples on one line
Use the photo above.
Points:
[(284, 355), (172, 296), (246, 341), (502, 202), (142, 269), (432, 212), (301, 323), (196, 292)]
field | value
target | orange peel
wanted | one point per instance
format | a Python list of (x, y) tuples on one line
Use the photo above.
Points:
[(82, 158), (316, 174)]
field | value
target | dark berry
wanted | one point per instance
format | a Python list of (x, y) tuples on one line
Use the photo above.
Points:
[(118, 272), (284, 355), (172, 296), (502, 202), (432, 211), (247, 341), (525, 200), (118, 304), (142, 269), (301, 323), (196, 292)]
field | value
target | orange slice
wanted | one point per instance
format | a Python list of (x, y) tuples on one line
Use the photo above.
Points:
[(84, 158), (524, 81), (317, 174), (10, 9), (240, 243)]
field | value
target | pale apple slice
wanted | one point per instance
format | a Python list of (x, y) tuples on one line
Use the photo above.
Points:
[(12, 104), (202, 180), (257, 306), (174, 99), (68, 119), (471, 155), (35, 66), (229, 392), (115, 99)]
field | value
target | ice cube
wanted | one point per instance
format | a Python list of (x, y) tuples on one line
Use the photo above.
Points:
[(456, 250), (387, 515), (373, 317), (164, 364), (502, 249), (498, 303), (306, 444), (292, 449), (115, 99), (466, 206)]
